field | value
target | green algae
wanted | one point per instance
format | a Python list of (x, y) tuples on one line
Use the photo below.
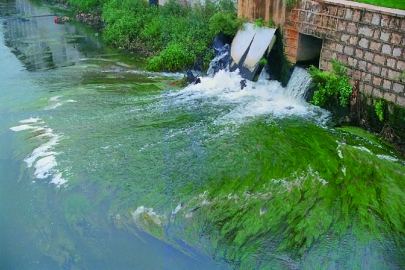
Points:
[(296, 189)]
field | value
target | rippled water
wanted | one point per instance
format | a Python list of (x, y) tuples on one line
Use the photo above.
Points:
[(105, 166)]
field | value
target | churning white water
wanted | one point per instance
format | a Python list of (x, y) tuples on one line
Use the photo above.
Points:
[(263, 97), (42, 158)]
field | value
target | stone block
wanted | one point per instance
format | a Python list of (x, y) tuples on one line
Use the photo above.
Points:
[(395, 23), (375, 46), (376, 34), (396, 39), (398, 88), (366, 77), (342, 25), (393, 75), (362, 65), (390, 97), (345, 38), (374, 69), (356, 75), (401, 101), (401, 65), (348, 50), (385, 20), (378, 93), (385, 36), (364, 43), (366, 31), (379, 59), (376, 19), (356, 16), (391, 62), (397, 52), (384, 72), (367, 90), (342, 58), (350, 28), (352, 62), (387, 84), (377, 81), (367, 18), (339, 48), (349, 14), (353, 40), (386, 49), (359, 53), (369, 56)]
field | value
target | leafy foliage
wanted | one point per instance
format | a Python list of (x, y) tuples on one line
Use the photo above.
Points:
[(291, 3), (331, 87), (86, 5), (225, 22), (175, 35), (379, 109)]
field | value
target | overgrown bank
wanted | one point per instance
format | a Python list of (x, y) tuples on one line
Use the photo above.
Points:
[(333, 91), (174, 36)]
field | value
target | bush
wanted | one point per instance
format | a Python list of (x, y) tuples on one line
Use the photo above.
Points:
[(162, 31), (331, 88), (172, 58), (224, 22), (85, 5), (379, 109)]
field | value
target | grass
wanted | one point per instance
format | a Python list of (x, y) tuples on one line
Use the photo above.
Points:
[(400, 4)]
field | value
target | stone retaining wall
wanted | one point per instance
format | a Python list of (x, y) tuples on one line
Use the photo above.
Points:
[(369, 40)]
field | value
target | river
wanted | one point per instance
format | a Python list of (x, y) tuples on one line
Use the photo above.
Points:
[(106, 166)]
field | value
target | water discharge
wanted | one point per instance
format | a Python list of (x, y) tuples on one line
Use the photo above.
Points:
[(106, 166)]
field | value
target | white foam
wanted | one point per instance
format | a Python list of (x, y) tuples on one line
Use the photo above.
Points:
[(257, 98), (386, 157), (55, 102), (22, 127), (43, 158), (137, 215), (30, 120)]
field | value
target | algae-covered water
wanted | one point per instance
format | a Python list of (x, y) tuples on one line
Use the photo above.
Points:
[(105, 166)]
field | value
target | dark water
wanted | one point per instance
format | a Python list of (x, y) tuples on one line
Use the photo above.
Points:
[(106, 166)]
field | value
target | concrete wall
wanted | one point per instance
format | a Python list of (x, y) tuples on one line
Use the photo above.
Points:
[(274, 10), (370, 40)]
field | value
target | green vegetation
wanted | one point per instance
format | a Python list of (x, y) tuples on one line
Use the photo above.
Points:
[(175, 36), (260, 22), (293, 198), (331, 88), (291, 3), (379, 109), (400, 4)]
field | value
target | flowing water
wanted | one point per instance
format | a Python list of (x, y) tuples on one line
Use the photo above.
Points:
[(105, 166)]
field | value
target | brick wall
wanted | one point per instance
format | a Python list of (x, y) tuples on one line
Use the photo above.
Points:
[(369, 40)]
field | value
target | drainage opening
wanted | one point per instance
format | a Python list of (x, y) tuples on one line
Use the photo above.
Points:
[(309, 50)]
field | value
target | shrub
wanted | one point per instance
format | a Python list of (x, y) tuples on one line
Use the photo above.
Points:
[(331, 88), (85, 5), (162, 31), (291, 3), (172, 58), (379, 109), (224, 22)]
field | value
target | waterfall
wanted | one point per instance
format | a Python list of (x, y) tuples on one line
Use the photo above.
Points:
[(299, 83)]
